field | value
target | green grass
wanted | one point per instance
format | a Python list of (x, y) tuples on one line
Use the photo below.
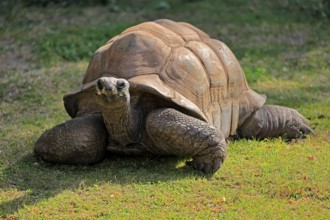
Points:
[(284, 49)]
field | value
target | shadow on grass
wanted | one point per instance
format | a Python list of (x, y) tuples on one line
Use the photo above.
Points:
[(38, 180)]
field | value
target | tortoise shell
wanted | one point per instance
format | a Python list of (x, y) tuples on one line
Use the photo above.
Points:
[(176, 62)]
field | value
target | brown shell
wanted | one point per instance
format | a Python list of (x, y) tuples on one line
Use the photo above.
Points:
[(180, 63)]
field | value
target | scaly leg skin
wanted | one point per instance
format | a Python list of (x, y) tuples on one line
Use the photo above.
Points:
[(174, 133), (80, 140), (275, 121)]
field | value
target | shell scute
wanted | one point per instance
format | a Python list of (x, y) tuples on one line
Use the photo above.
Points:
[(185, 32), (168, 36), (186, 75), (131, 54)]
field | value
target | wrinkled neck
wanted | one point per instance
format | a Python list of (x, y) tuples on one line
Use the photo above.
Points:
[(122, 123)]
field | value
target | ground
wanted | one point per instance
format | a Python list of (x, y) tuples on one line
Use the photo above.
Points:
[(284, 48)]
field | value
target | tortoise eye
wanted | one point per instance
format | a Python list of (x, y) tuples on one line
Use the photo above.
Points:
[(100, 84), (121, 84)]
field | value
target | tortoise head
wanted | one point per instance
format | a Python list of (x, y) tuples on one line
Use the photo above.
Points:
[(112, 92)]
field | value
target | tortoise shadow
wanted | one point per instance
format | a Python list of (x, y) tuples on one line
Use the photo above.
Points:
[(34, 180)]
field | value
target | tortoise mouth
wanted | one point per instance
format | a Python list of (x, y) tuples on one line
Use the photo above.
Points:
[(111, 100)]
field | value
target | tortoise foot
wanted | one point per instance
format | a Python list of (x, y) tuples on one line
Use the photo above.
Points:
[(206, 164), (81, 140)]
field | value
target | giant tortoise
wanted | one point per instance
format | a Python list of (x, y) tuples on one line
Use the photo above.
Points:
[(164, 88)]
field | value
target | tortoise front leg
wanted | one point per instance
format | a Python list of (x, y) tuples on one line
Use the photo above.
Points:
[(174, 133), (80, 140), (274, 121)]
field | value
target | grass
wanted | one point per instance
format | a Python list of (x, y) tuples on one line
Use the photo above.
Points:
[(285, 53)]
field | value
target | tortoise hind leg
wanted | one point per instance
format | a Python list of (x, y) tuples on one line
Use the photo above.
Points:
[(275, 121), (80, 140), (174, 133)]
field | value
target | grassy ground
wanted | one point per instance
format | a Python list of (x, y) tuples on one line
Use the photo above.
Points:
[(285, 52)]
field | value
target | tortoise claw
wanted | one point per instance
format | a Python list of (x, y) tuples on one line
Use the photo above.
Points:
[(206, 164), (300, 124), (305, 129)]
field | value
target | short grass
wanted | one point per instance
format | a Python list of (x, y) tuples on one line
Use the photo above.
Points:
[(285, 51)]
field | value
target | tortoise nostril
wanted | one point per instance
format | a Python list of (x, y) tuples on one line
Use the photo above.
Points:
[(108, 87)]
